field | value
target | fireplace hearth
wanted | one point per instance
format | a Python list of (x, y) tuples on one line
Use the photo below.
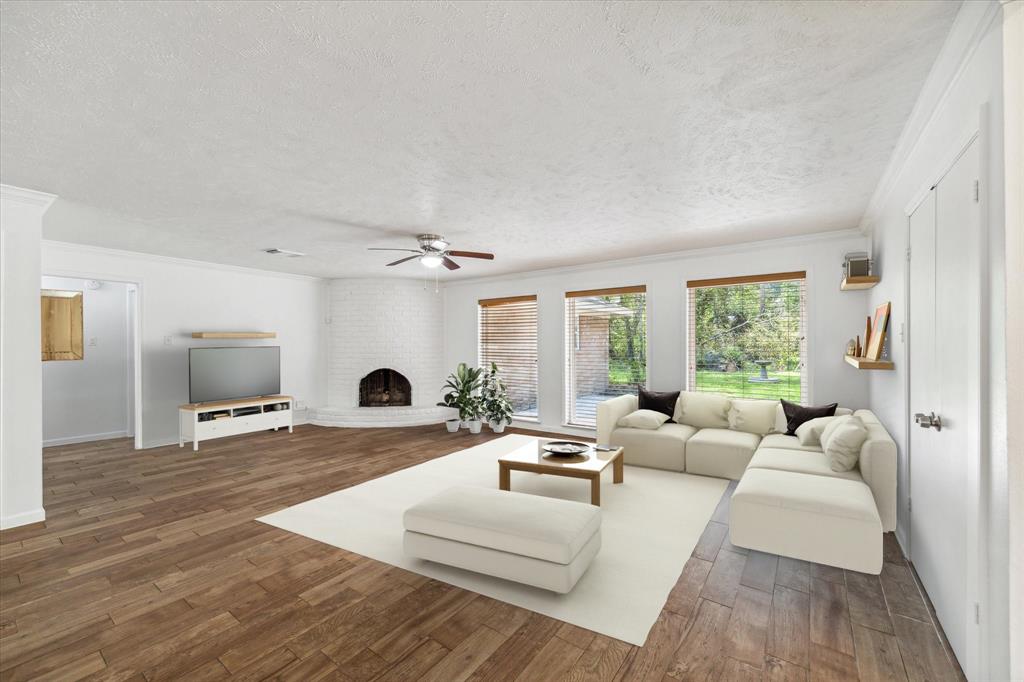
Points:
[(384, 388)]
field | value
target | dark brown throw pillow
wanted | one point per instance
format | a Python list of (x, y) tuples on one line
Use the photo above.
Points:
[(798, 414), (664, 402)]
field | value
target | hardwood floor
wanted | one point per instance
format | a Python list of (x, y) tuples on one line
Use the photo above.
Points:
[(150, 566)]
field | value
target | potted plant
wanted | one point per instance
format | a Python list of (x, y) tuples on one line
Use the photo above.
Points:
[(461, 392), (496, 406)]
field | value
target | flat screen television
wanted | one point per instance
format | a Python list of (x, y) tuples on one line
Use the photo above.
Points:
[(229, 373)]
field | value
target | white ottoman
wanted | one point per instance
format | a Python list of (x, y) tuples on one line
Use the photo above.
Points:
[(539, 541), (827, 520)]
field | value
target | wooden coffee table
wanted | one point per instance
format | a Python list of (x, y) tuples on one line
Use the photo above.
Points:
[(532, 458)]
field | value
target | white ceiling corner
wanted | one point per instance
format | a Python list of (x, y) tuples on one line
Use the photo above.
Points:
[(551, 133)]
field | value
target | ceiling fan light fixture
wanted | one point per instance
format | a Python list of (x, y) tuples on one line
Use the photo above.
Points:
[(431, 260)]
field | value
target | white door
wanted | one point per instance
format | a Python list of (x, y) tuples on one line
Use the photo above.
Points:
[(941, 232)]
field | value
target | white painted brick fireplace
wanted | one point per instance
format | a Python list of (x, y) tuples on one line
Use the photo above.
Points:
[(380, 323)]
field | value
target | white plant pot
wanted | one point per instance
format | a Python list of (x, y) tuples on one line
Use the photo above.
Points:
[(498, 427), (474, 425), (453, 425)]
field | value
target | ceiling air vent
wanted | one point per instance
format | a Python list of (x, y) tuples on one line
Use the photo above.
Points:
[(284, 252)]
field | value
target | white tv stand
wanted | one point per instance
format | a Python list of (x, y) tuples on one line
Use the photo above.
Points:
[(204, 421)]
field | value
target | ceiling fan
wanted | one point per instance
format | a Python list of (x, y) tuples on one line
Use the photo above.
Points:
[(434, 251)]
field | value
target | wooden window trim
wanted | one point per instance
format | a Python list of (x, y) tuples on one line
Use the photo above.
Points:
[(638, 289), (488, 302), (747, 279)]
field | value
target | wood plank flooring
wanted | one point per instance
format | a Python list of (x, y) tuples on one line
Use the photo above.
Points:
[(150, 566)]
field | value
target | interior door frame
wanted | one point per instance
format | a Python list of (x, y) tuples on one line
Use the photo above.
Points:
[(136, 334), (976, 609)]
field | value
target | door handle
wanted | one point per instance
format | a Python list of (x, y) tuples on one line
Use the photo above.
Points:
[(930, 420)]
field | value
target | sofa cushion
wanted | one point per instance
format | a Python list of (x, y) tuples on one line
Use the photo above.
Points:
[(703, 410), (644, 419), (752, 416), (780, 441), (823, 519), (841, 441), (781, 425), (720, 452), (798, 461), (664, 402), (664, 448), (809, 433), (798, 414), (531, 525)]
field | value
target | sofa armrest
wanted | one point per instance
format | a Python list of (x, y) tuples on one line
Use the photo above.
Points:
[(610, 412), (878, 466)]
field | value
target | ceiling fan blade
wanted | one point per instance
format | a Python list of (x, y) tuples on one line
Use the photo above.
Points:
[(377, 248), (450, 264), (472, 254), (402, 260)]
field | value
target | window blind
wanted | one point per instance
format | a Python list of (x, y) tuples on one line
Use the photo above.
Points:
[(747, 336), (508, 338), (605, 348)]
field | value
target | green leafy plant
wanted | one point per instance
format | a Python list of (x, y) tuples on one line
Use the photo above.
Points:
[(496, 406), (462, 391)]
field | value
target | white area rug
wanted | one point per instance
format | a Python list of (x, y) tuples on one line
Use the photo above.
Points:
[(650, 525)]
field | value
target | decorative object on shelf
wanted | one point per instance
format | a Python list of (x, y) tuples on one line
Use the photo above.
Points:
[(873, 350), (856, 264), (234, 335), (867, 332), (857, 267), (857, 350), (851, 348), (496, 405), (463, 393)]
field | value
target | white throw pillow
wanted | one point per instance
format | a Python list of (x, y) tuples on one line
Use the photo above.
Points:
[(809, 433), (643, 419), (841, 440), (704, 410), (752, 416)]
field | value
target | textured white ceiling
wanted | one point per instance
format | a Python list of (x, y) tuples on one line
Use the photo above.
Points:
[(549, 133)]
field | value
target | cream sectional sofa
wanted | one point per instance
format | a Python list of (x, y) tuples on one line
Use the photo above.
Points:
[(788, 500)]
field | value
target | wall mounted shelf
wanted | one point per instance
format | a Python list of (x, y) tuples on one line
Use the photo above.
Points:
[(234, 335), (868, 363), (859, 283)]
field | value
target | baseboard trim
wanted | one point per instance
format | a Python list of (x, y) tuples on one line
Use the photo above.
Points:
[(87, 438), (22, 519)]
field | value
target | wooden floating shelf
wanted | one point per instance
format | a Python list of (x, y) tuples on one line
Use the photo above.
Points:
[(859, 283), (234, 335), (868, 363)]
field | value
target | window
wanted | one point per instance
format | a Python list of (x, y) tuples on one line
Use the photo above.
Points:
[(508, 338), (605, 348), (747, 336)]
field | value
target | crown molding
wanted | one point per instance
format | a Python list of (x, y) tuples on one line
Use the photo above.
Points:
[(173, 260), (29, 197), (969, 28), (724, 250)]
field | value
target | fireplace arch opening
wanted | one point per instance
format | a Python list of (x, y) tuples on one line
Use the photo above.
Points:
[(384, 388)]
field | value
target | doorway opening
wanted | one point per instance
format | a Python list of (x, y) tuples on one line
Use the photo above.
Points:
[(91, 360)]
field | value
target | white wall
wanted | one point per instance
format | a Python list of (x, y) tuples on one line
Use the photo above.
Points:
[(383, 323), (21, 455), (87, 399), (177, 297), (963, 96), (833, 316)]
